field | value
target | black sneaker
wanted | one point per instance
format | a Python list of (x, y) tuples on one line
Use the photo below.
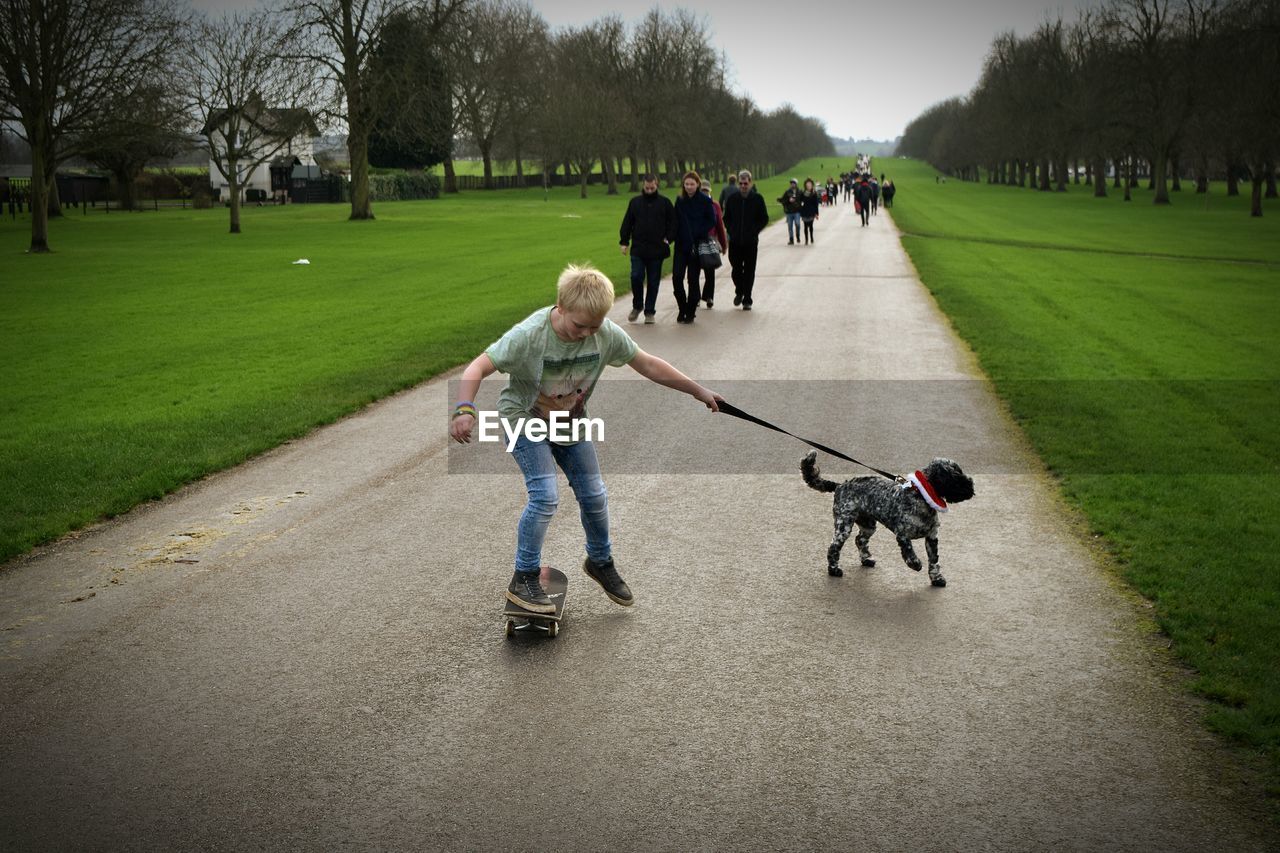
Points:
[(607, 576), (737, 299), (526, 592)]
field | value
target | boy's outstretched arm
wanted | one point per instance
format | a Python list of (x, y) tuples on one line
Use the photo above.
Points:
[(460, 425), (657, 370)]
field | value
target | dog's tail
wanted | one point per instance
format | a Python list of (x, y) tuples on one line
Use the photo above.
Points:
[(809, 469)]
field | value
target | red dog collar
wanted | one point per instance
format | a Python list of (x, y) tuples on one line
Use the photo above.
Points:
[(926, 490)]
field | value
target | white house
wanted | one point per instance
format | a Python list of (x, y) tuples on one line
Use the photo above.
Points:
[(270, 180)]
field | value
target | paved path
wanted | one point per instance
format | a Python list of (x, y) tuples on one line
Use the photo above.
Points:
[(270, 658)]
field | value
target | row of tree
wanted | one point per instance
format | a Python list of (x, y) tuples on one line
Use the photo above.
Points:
[(125, 82), (1178, 87)]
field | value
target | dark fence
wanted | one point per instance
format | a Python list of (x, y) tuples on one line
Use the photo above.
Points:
[(73, 191)]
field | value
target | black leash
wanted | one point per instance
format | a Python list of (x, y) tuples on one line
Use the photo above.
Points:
[(730, 409)]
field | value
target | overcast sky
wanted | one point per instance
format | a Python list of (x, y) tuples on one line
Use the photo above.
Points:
[(864, 68)]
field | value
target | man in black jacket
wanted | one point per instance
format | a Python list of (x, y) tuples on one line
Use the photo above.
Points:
[(864, 198), (744, 218), (648, 228)]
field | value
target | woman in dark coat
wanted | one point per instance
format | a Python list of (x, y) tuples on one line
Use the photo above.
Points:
[(809, 209), (695, 218)]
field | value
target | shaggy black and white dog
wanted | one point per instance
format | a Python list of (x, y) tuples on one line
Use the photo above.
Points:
[(908, 509)]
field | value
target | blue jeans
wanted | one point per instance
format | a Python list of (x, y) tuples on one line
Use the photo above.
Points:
[(645, 270), (538, 461), (793, 221)]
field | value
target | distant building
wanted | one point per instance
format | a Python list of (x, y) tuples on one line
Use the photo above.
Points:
[(273, 178)]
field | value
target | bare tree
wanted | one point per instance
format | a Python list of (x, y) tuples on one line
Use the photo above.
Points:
[(1160, 45), (149, 127), (247, 94), (64, 66), (1252, 91), (343, 37), (488, 65)]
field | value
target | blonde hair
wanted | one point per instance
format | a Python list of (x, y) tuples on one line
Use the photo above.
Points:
[(584, 288)]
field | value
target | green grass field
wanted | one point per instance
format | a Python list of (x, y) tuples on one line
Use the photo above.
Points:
[(154, 348), (1147, 378)]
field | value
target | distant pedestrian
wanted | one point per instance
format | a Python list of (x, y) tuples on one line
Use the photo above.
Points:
[(790, 201), (889, 190), (808, 209), (721, 238), (729, 189), (648, 228), (875, 196), (864, 200), (745, 217), (695, 219)]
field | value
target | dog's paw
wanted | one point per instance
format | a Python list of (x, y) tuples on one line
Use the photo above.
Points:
[(868, 563), (939, 581), (836, 572)]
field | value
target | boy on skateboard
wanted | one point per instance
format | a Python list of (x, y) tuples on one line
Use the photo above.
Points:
[(553, 359)]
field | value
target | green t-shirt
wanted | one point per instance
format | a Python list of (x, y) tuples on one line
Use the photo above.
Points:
[(546, 374)]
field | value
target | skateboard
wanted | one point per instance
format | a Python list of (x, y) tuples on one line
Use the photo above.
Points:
[(521, 621)]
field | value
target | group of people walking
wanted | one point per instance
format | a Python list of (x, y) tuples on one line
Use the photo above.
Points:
[(654, 229)]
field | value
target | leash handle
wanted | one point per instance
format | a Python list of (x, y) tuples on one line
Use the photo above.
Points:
[(730, 409)]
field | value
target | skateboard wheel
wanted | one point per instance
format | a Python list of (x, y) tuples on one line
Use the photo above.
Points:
[(553, 629), (511, 628)]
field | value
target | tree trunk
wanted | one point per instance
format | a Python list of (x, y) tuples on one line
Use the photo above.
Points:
[(1117, 164), (1043, 186), (235, 199), (520, 182), (1202, 175), (125, 189), (635, 173), (1128, 182), (610, 174), (487, 157), (1255, 203), (450, 176), (584, 175), (1100, 178), (358, 148), (39, 202), (1233, 180), (1062, 175), (1269, 170), (55, 202), (1175, 178), (1158, 179)]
